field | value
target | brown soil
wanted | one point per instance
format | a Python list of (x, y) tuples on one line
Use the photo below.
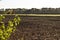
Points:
[(37, 28)]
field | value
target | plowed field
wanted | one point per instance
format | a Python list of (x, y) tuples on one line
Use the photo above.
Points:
[(37, 28)]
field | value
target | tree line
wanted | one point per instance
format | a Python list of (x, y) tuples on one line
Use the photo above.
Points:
[(32, 11)]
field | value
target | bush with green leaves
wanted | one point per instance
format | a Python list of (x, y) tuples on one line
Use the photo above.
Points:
[(5, 32)]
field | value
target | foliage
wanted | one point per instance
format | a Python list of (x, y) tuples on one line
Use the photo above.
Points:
[(5, 32)]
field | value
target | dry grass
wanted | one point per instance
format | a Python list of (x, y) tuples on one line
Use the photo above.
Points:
[(33, 14)]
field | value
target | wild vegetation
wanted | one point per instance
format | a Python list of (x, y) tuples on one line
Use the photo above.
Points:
[(5, 31)]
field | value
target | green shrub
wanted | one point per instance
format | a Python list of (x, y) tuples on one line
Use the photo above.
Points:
[(5, 32)]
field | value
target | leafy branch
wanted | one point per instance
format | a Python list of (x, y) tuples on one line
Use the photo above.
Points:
[(5, 32)]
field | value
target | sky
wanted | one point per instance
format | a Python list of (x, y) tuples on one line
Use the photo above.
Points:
[(29, 4)]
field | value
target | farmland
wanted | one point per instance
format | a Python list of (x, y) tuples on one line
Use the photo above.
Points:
[(37, 28), (33, 24)]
